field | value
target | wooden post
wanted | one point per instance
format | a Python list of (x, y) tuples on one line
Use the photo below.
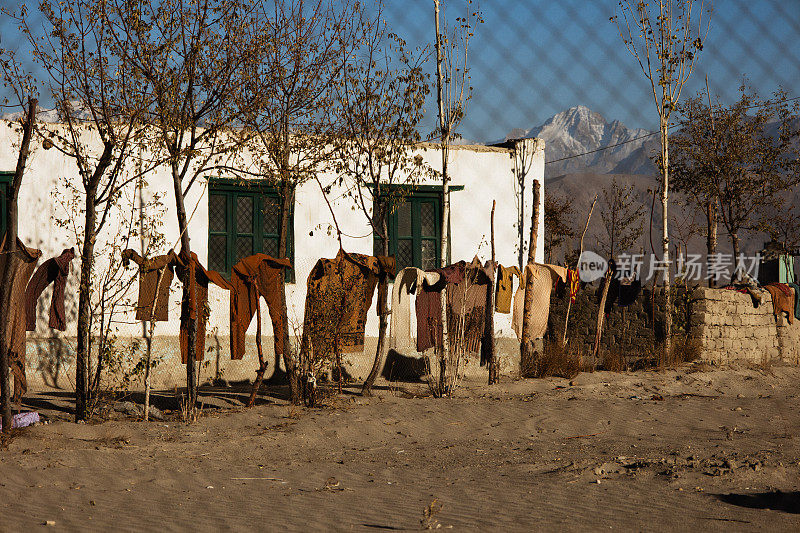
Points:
[(494, 370), (526, 344), (601, 314), (577, 265), (10, 248)]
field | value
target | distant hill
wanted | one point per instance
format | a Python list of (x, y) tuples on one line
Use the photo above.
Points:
[(612, 151), (615, 148)]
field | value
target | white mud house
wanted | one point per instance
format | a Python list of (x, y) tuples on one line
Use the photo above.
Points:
[(229, 220)]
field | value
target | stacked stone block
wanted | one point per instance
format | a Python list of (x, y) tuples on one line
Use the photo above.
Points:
[(729, 328)]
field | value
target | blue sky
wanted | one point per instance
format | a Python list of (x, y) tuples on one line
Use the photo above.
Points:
[(531, 59)]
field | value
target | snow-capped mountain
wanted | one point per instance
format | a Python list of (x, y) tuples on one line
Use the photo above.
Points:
[(579, 130)]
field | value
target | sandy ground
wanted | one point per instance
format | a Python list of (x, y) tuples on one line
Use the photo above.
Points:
[(676, 450)]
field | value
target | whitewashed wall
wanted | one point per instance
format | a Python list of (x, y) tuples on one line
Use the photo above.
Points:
[(486, 173)]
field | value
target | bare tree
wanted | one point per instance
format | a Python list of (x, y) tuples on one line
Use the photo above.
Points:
[(783, 225), (558, 228), (189, 57), (665, 37), (288, 98), (81, 70), (621, 217), (452, 94), (383, 94), (746, 159)]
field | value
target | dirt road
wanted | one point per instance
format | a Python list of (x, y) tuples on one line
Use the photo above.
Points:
[(677, 450)]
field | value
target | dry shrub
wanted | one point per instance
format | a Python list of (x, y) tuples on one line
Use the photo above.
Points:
[(556, 360), (684, 349), (613, 361)]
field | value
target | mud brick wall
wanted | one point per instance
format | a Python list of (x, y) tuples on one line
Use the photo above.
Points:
[(630, 330), (730, 328)]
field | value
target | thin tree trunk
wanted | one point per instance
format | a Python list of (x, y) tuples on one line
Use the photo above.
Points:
[(85, 309), (383, 311), (711, 236), (191, 355), (527, 359), (262, 364), (11, 246), (665, 232), (444, 130), (601, 314), (84, 342), (577, 265), (735, 244), (289, 360), (494, 364), (148, 359)]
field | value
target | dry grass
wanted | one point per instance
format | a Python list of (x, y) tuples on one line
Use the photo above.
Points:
[(613, 361), (557, 360), (428, 520), (683, 350)]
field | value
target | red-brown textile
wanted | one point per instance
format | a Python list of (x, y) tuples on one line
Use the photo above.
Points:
[(154, 293), (429, 306), (21, 262), (253, 277), (781, 301), (55, 271), (339, 296), (188, 267), (155, 278), (466, 307), (467, 297)]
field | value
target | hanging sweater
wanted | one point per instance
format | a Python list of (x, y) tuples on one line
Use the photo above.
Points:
[(22, 262), (254, 277), (544, 276), (408, 281), (55, 271)]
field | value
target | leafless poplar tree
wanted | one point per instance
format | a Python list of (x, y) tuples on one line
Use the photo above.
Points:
[(665, 37), (383, 95), (288, 100), (452, 94)]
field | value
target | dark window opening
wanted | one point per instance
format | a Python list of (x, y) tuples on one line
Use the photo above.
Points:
[(244, 219)]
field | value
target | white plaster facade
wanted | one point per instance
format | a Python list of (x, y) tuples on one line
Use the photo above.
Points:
[(487, 174)]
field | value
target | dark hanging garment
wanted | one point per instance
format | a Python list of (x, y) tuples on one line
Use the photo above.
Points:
[(629, 291), (55, 270), (195, 308), (338, 298), (155, 278), (429, 305), (796, 288), (488, 321), (21, 263), (251, 278)]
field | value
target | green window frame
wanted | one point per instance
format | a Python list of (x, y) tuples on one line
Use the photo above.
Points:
[(414, 225), (6, 178), (244, 219)]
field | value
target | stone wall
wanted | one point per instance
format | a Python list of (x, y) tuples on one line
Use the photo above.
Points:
[(630, 330), (729, 328)]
